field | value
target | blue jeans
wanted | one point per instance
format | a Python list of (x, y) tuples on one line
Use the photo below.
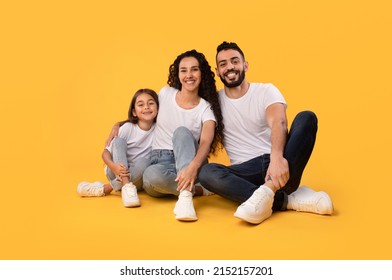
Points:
[(238, 182), (159, 177), (119, 155)]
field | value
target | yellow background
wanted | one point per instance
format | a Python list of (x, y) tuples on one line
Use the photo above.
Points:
[(68, 72)]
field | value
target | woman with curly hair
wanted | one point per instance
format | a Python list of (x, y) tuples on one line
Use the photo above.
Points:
[(189, 127)]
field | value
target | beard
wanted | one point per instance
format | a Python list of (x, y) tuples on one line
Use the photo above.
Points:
[(233, 84)]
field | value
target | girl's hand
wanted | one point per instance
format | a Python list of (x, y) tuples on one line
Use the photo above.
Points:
[(120, 170)]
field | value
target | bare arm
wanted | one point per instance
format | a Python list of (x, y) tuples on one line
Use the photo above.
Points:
[(113, 133), (187, 176), (278, 169), (118, 169)]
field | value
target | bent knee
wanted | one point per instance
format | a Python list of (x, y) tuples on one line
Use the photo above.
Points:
[(119, 143), (182, 131)]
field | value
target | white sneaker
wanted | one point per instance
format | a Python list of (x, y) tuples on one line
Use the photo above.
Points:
[(184, 209), (129, 195), (90, 189), (205, 191), (258, 207), (304, 199)]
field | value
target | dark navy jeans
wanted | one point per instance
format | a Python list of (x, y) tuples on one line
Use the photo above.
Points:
[(238, 182)]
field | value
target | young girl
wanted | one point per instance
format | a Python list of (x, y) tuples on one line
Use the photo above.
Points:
[(128, 155)]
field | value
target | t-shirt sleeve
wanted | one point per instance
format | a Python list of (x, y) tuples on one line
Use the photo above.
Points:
[(273, 95), (124, 133), (208, 114)]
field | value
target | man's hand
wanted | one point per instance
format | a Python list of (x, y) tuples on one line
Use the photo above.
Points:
[(278, 172)]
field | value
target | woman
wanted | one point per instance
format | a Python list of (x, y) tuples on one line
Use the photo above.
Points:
[(189, 127)]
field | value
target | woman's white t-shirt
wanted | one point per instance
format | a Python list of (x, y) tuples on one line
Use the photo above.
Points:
[(171, 116)]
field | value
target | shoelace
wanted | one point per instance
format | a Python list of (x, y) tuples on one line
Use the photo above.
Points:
[(256, 199), (94, 190), (131, 191), (185, 201), (308, 205)]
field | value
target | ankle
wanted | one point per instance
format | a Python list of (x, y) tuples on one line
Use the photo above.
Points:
[(271, 186), (198, 191), (270, 190), (107, 189)]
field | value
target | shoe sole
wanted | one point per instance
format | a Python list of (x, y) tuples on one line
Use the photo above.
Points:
[(248, 219), (131, 205), (187, 219)]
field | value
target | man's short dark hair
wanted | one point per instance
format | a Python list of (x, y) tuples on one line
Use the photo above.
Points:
[(229, 46)]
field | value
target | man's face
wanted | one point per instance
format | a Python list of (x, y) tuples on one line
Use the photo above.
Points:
[(231, 68)]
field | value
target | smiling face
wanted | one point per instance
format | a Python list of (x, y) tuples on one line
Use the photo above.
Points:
[(189, 74), (231, 67), (146, 108)]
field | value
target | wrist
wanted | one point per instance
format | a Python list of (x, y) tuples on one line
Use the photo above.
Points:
[(195, 164)]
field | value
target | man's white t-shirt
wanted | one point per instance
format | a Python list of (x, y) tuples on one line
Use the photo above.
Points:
[(171, 116), (247, 134), (139, 141)]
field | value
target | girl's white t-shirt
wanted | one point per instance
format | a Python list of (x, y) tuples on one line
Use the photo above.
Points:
[(139, 141), (247, 134), (171, 116)]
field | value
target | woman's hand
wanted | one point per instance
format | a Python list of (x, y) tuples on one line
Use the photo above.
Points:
[(186, 177), (113, 134)]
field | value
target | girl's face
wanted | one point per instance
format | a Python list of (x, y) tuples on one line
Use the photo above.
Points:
[(189, 74), (146, 109)]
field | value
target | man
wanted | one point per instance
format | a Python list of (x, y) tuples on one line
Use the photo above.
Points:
[(267, 161)]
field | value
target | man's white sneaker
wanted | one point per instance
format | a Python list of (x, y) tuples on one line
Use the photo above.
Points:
[(304, 199), (184, 209), (258, 207), (129, 195), (90, 189)]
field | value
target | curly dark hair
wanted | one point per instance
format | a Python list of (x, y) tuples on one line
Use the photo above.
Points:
[(207, 91)]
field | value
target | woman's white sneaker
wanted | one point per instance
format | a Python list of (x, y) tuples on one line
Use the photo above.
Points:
[(184, 209), (129, 195)]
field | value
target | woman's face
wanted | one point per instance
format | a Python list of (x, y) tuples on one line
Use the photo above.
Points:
[(189, 74)]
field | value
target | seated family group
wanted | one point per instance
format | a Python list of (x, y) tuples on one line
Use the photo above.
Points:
[(163, 146)]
